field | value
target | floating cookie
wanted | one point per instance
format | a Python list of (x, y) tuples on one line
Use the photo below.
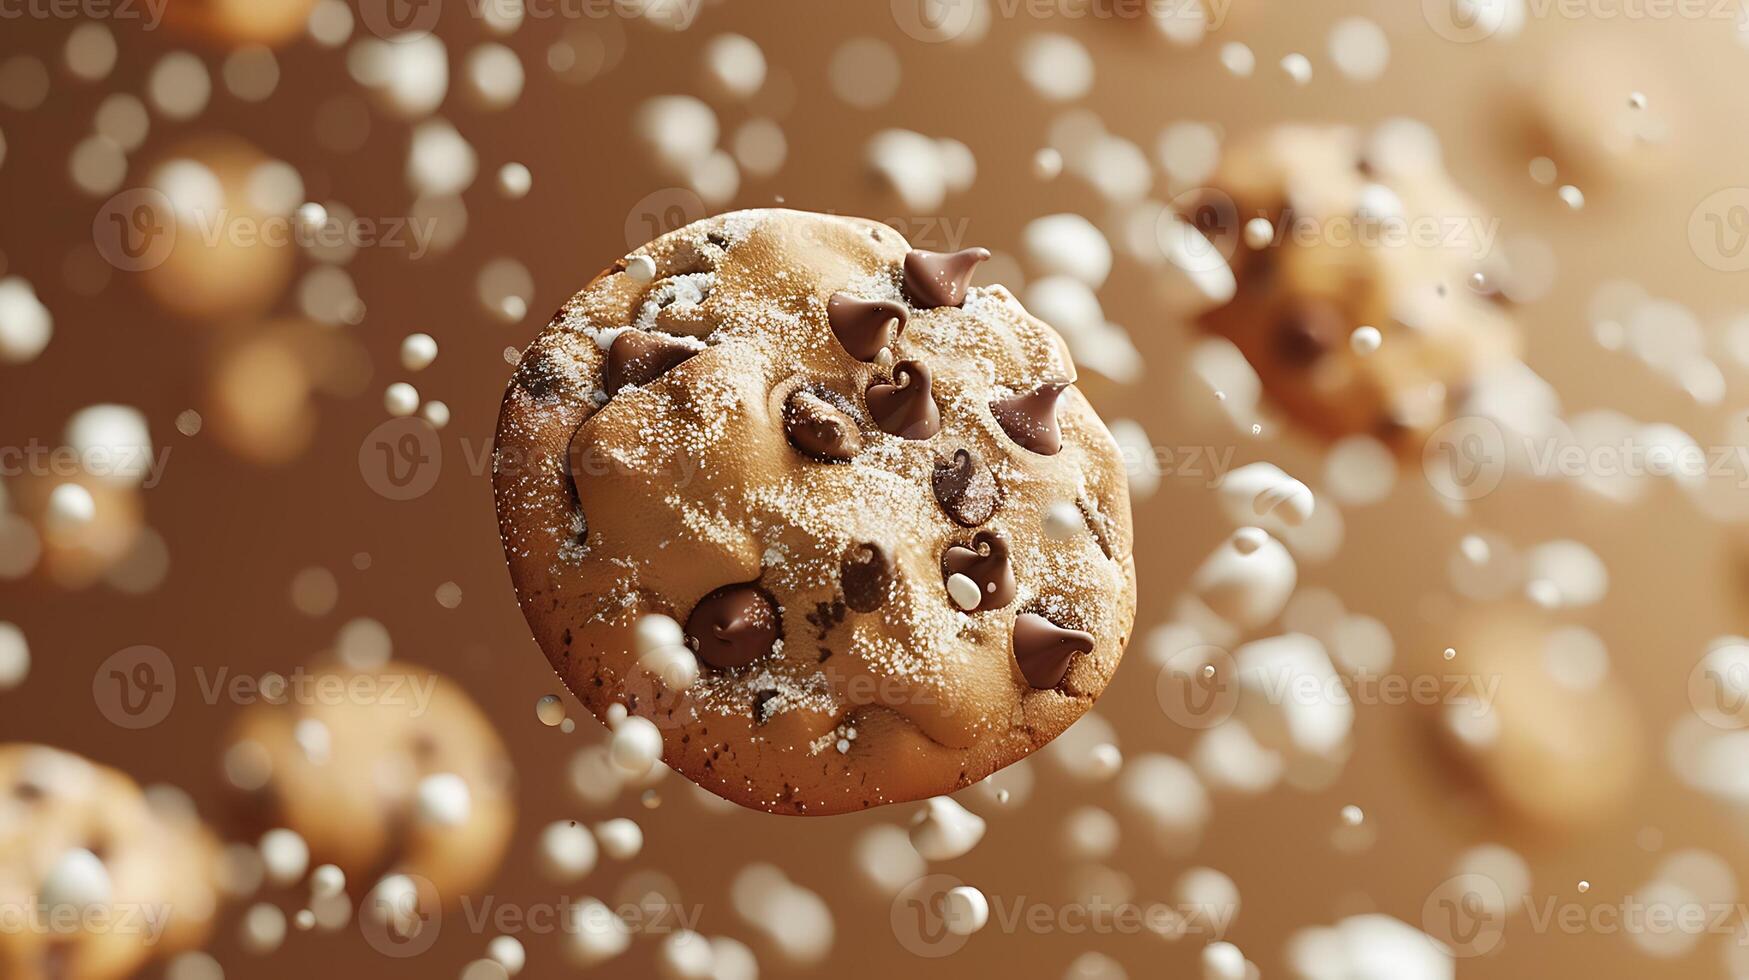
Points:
[(400, 775), (840, 493), (85, 858), (1328, 232)]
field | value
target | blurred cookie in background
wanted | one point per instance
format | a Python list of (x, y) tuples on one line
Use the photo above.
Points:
[(388, 771), (1536, 721), (263, 383), (212, 232), (112, 878), (1357, 265)]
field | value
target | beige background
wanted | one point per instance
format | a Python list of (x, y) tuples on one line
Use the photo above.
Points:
[(238, 533)]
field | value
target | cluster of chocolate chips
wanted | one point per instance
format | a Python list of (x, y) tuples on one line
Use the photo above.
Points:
[(737, 624)]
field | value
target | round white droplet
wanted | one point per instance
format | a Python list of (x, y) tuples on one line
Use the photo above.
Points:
[(621, 838), (964, 591), (1047, 164), (1222, 961), (284, 855), (1259, 233), (508, 952), (515, 181), (1238, 59), (1063, 521), (71, 505), (735, 65), (401, 399), (444, 800), (327, 881), (263, 929), (641, 268), (1365, 340), (567, 851), (77, 880), (1571, 196), (418, 350), (636, 746), (1298, 68), (964, 910), (14, 657), (550, 710)]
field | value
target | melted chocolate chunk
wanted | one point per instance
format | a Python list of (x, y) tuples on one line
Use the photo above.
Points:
[(935, 279), (907, 408), (1031, 419), (987, 563), (638, 358), (867, 575), (864, 326), (1043, 649), (733, 626), (820, 429), (1307, 333), (965, 488)]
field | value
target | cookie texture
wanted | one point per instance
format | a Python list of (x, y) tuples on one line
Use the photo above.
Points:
[(109, 878), (844, 437), (350, 762), (1328, 230)]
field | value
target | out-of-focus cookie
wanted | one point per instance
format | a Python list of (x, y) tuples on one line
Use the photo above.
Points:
[(1535, 719), (97, 882), (831, 460), (1329, 231), (392, 770)]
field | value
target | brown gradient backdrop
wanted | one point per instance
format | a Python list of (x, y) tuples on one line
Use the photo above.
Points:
[(238, 533)]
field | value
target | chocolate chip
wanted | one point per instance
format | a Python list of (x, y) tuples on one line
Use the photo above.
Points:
[(733, 626), (987, 563), (761, 701), (1043, 649), (638, 358), (906, 409), (820, 429), (935, 279), (1031, 419), (965, 488), (867, 574), (1307, 333), (864, 326)]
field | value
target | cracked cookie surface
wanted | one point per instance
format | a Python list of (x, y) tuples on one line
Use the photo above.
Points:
[(834, 435)]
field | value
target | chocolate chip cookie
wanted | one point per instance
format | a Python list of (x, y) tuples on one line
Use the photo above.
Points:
[(829, 457), (1329, 230), (389, 770), (96, 880)]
